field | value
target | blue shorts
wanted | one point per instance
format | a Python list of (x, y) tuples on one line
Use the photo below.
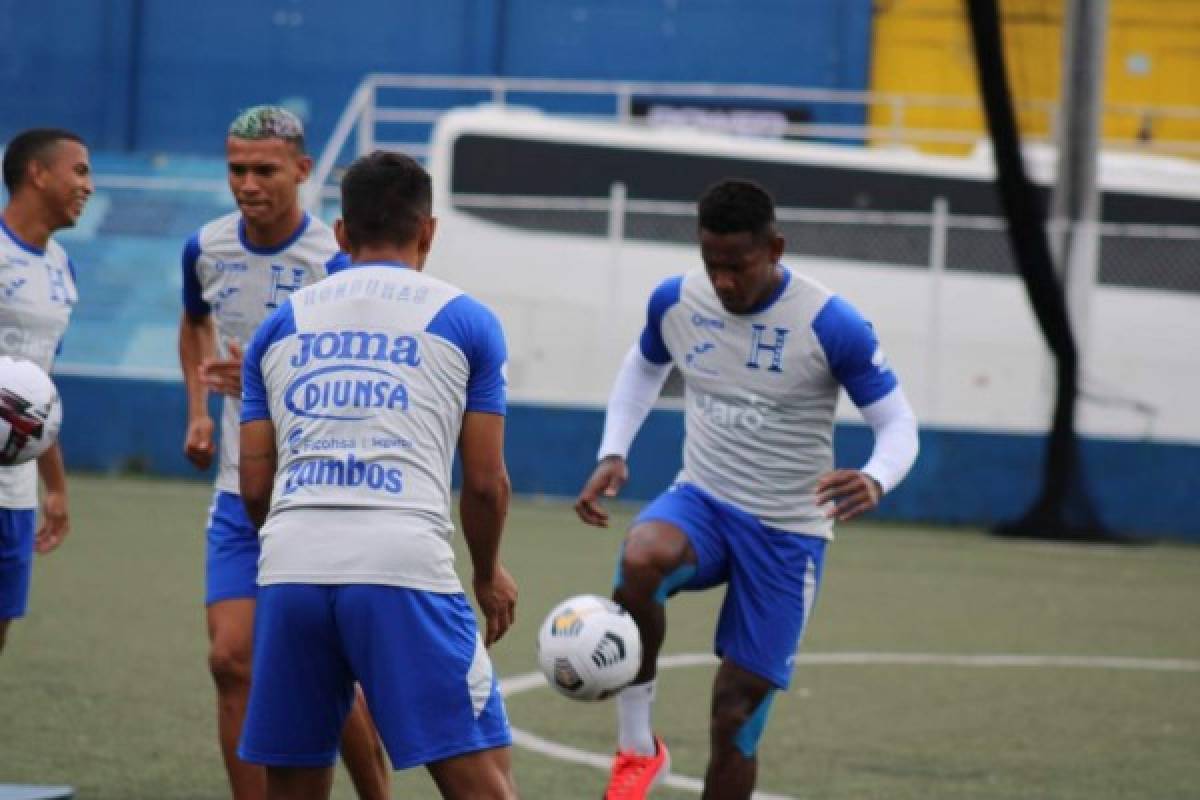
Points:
[(772, 577), (231, 562), (418, 656), (17, 528)]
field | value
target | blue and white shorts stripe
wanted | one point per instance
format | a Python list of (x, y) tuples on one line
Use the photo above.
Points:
[(772, 577), (418, 655), (231, 551), (17, 529)]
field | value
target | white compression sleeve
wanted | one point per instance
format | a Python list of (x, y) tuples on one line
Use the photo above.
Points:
[(634, 391), (895, 426)]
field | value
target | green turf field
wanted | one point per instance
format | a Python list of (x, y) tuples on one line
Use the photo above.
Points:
[(104, 685)]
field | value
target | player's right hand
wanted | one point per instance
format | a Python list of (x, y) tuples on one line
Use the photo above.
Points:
[(224, 375), (607, 479), (497, 600), (198, 444)]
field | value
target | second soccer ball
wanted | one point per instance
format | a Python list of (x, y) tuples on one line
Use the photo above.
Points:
[(30, 411)]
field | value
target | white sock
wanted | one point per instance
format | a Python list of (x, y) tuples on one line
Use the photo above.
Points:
[(634, 731)]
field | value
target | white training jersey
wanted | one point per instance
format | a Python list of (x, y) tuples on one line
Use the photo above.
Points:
[(241, 285), (366, 377), (37, 293), (761, 389)]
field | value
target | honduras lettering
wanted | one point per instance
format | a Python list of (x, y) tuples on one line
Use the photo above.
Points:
[(350, 391)]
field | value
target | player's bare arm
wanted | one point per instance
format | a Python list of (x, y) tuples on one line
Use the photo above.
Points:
[(256, 468), (55, 520), (610, 475), (197, 342), (224, 375), (484, 506)]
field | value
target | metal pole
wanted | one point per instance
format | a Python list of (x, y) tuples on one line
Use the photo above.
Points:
[(1076, 202), (617, 200), (938, 230), (366, 122)]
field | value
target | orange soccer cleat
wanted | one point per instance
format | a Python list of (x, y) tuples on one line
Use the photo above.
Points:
[(633, 775)]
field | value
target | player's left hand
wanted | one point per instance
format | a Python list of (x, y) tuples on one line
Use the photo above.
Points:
[(848, 493), (224, 375), (55, 522), (497, 600)]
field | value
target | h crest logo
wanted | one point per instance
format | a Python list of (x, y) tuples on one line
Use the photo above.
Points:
[(758, 344), (58, 285), (279, 288)]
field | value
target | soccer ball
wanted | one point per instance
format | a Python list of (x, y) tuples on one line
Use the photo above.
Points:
[(30, 411), (589, 648)]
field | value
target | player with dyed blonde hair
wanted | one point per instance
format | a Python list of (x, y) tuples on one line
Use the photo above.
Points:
[(237, 270)]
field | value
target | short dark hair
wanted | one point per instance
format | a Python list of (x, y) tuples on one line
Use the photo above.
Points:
[(385, 197), (733, 206), (29, 146)]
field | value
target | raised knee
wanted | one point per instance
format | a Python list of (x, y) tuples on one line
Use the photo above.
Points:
[(639, 561), (230, 666)]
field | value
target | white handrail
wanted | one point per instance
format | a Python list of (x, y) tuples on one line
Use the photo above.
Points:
[(820, 216), (365, 111), (337, 140)]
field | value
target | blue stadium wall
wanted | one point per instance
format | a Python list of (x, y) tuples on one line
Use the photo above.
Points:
[(141, 75), (962, 477)]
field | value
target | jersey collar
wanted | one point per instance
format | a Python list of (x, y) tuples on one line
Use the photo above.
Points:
[(775, 295), (271, 251), (19, 242), (396, 264)]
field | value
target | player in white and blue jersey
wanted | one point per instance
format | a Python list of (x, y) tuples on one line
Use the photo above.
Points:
[(356, 392), (49, 179), (237, 270), (764, 353)]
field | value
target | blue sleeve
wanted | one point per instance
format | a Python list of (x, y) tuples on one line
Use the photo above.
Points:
[(653, 346), (58, 348), (338, 263), (853, 352), (255, 402), (193, 294), (472, 327)]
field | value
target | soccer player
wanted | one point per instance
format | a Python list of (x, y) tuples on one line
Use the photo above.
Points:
[(237, 269), (49, 180), (355, 393), (763, 353)]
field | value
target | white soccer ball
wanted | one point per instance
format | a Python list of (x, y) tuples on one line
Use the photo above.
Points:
[(30, 411), (589, 648)]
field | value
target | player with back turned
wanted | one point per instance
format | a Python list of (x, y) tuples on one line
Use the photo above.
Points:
[(357, 391), (237, 269), (764, 353)]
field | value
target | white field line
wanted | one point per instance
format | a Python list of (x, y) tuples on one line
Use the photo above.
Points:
[(534, 680)]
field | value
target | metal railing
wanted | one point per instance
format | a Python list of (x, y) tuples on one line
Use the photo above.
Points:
[(937, 242), (414, 103)]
